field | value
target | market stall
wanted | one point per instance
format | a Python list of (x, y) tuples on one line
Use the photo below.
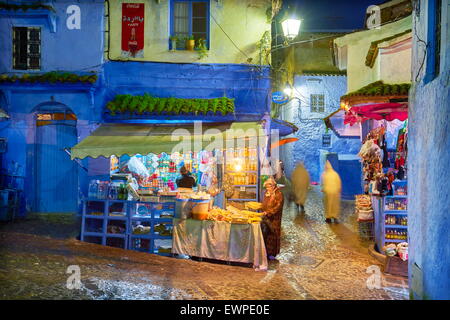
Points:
[(380, 112), (142, 207)]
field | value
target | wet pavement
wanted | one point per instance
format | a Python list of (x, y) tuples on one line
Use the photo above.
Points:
[(317, 261)]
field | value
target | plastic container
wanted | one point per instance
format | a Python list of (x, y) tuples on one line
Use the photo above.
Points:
[(93, 189), (200, 209), (182, 209)]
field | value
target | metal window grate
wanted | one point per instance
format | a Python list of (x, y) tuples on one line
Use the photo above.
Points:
[(317, 102), (26, 48)]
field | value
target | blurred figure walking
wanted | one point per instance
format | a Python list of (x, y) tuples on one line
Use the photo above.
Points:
[(300, 186), (331, 188), (283, 183)]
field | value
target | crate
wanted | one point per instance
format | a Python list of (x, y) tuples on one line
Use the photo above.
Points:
[(396, 266)]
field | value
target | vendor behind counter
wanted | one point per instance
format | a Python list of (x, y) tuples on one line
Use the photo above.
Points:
[(186, 180)]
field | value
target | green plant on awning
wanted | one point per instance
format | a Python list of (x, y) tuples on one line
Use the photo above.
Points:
[(126, 103), (50, 77), (379, 88)]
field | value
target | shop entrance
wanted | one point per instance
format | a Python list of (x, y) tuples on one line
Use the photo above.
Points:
[(56, 175)]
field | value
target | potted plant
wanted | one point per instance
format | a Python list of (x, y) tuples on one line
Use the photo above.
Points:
[(173, 42), (201, 48), (190, 43)]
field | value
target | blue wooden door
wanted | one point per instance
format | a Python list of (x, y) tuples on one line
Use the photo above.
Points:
[(56, 175)]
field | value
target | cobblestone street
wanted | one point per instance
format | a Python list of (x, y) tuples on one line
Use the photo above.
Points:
[(317, 261)]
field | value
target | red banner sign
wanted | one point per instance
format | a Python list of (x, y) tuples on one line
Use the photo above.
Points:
[(133, 30)]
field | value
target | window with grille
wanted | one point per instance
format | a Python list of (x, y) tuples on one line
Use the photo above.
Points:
[(434, 40), (317, 103), (190, 18), (26, 48)]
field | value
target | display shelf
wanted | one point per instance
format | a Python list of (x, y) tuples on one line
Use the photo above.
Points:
[(245, 185), (396, 226), (96, 234), (382, 240), (117, 218), (95, 216), (396, 197), (396, 212), (95, 227), (395, 240), (116, 235), (242, 199)]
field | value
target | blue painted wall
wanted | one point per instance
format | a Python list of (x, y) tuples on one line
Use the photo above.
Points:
[(308, 148), (249, 85), (71, 50), (428, 166), (82, 50)]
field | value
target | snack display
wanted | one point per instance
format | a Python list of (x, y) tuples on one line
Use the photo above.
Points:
[(234, 215)]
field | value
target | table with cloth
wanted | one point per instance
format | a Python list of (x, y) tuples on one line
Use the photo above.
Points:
[(220, 240)]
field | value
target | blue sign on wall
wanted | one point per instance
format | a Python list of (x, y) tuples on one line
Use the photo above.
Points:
[(279, 97)]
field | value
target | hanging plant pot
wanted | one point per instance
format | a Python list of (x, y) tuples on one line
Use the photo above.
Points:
[(190, 44)]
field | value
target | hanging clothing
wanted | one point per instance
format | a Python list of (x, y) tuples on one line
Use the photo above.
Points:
[(300, 184), (272, 205), (331, 187)]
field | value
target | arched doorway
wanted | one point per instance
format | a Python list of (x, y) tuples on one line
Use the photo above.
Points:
[(56, 174)]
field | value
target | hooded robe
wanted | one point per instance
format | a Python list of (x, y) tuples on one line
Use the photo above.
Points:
[(300, 184), (331, 188), (272, 205)]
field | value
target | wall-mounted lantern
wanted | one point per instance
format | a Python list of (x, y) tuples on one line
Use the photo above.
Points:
[(291, 26)]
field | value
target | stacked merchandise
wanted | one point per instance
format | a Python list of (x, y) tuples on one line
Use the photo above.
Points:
[(364, 211), (363, 207)]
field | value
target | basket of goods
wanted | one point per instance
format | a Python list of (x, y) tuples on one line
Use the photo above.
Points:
[(395, 265), (363, 206), (200, 203)]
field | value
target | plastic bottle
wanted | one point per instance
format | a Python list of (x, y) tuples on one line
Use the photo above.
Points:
[(100, 189), (112, 193), (93, 189)]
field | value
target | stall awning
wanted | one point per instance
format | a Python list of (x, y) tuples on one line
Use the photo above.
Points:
[(119, 139), (284, 127), (376, 111)]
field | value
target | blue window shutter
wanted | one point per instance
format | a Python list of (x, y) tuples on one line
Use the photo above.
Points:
[(433, 43)]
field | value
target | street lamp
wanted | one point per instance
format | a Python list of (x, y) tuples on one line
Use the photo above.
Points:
[(291, 26)]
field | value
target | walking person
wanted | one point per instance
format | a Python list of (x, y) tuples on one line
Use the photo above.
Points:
[(300, 186), (272, 207), (331, 188), (283, 183)]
